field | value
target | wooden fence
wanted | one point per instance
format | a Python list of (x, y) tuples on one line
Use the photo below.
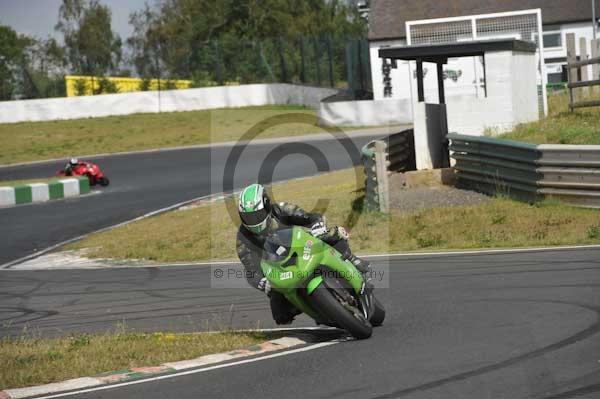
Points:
[(581, 84)]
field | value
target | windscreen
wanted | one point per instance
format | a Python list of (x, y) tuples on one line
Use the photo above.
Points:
[(277, 245)]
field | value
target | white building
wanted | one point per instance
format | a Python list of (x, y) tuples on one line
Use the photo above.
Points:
[(387, 27)]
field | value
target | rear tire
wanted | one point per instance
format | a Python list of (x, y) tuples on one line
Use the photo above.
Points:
[(325, 302), (104, 181)]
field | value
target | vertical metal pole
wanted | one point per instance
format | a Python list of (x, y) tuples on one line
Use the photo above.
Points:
[(302, 61), (475, 71), (420, 88), (350, 68), (360, 66), (330, 62), (218, 73), (158, 73), (594, 17), (410, 74), (544, 77), (441, 91), (485, 89), (317, 59)]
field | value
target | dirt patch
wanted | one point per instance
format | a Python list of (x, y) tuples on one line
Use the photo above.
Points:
[(416, 199)]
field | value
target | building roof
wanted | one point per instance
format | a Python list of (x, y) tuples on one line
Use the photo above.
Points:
[(387, 17), (441, 52)]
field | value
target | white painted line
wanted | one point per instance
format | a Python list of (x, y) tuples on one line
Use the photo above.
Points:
[(77, 383), (482, 251), (280, 344), (39, 192), (389, 255), (199, 362), (194, 371), (9, 266)]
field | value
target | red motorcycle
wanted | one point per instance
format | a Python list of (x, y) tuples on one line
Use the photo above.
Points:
[(88, 169)]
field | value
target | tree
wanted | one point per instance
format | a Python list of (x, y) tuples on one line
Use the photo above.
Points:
[(44, 69), (243, 40), (92, 48), (148, 44), (171, 38), (12, 58)]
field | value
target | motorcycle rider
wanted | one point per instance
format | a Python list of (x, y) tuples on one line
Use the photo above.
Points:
[(260, 217), (71, 165)]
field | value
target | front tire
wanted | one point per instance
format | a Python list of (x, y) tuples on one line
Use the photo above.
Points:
[(378, 315), (325, 302)]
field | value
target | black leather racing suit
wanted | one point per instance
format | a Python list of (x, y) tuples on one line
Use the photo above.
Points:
[(250, 247)]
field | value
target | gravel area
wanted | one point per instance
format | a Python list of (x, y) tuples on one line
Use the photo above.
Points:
[(415, 199)]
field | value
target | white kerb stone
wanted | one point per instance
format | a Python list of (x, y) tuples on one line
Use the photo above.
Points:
[(39, 192), (7, 196), (71, 187)]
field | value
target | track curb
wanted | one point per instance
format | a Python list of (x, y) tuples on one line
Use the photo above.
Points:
[(43, 192), (140, 373)]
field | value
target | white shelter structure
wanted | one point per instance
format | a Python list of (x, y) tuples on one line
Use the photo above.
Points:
[(403, 22), (510, 96)]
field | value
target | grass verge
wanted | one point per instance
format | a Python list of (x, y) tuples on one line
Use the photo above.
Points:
[(28, 361), (207, 232), (27, 181), (27, 141), (561, 126)]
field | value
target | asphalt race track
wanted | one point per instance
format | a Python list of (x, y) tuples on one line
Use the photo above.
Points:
[(144, 182), (505, 325)]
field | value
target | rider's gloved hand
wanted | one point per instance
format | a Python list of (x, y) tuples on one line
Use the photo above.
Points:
[(341, 233), (264, 285), (318, 229)]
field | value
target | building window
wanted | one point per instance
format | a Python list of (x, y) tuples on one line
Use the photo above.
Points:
[(552, 40), (556, 77)]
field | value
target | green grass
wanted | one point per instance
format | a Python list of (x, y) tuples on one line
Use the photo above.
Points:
[(208, 232), (28, 141), (30, 360), (26, 181), (561, 126)]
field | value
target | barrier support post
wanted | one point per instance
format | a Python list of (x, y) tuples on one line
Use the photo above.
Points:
[(382, 176)]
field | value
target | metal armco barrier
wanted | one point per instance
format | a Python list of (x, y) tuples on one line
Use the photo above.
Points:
[(528, 172), (394, 153)]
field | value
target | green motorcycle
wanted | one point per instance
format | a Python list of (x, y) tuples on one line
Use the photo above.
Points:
[(314, 277)]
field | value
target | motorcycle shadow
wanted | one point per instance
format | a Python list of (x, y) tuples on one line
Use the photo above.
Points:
[(317, 335)]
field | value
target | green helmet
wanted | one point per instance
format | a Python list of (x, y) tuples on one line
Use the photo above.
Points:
[(254, 208)]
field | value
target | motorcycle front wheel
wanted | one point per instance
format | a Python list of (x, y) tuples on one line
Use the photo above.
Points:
[(378, 315), (335, 310)]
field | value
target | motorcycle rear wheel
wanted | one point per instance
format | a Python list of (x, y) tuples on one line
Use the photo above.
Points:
[(327, 303)]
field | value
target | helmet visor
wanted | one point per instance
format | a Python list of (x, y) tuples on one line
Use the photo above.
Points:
[(254, 218)]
